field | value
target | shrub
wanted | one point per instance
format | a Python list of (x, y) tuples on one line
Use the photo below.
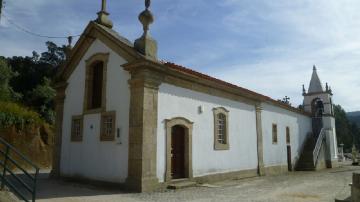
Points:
[(12, 114)]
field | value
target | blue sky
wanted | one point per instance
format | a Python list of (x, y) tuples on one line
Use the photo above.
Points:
[(266, 46)]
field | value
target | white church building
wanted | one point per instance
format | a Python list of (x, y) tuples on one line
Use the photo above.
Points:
[(125, 117)]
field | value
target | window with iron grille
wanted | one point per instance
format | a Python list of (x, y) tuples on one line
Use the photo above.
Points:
[(76, 128), (221, 128), (107, 126), (221, 121)]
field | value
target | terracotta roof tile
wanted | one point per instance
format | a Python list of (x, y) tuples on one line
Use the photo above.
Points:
[(210, 78)]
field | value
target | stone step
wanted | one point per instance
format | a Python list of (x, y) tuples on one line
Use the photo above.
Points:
[(299, 168), (181, 184), (307, 158), (343, 200), (306, 163)]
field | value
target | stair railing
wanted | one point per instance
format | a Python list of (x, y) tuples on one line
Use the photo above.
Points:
[(318, 145), (7, 162)]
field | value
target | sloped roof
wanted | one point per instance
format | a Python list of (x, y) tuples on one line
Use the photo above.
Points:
[(92, 31), (256, 95), (207, 77), (116, 35), (124, 43), (315, 83)]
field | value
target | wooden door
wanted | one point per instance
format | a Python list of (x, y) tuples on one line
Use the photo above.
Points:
[(178, 152), (289, 157)]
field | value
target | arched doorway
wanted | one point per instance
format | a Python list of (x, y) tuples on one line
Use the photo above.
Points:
[(178, 149)]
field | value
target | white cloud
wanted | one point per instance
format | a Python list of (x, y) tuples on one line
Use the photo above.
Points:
[(267, 46), (326, 33)]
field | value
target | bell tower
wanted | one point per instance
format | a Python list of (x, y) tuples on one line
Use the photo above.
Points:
[(318, 102)]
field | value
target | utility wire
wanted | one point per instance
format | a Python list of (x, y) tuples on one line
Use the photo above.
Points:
[(25, 30)]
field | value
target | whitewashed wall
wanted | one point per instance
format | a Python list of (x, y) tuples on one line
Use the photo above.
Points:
[(300, 126), (179, 102), (91, 158)]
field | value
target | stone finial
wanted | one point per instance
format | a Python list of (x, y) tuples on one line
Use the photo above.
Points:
[(70, 38), (303, 89), (68, 47), (314, 68), (103, 16), (146, 45)]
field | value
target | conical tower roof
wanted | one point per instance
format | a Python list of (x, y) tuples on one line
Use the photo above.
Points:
[(315, 83)]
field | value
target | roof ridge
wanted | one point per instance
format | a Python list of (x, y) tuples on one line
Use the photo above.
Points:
[(211, 78), (189, 70)]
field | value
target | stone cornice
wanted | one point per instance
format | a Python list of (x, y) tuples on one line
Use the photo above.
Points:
[(316, 93)]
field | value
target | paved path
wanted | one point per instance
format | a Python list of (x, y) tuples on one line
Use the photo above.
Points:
[(321, 186)]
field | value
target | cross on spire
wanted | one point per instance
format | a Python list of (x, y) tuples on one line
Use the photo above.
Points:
[(147, 4), (103, 6), (103, 16)]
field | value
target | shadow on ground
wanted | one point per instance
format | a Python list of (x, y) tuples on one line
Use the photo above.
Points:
[(49, 188)]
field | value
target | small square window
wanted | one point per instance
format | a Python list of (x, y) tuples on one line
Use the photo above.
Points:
[(107, 126), (76, 129)]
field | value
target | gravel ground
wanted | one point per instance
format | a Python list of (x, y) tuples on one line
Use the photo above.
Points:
[(320, 186), (6, 196)]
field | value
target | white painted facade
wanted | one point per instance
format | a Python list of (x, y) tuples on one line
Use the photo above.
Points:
[(108, 160), (179, 102), (242, 155), (299, 125), (92, 158)]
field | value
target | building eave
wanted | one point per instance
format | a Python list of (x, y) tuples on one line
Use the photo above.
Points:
[(187, 74)]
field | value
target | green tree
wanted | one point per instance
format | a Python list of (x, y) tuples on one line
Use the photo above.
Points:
[(32, 70), (344, 130), (356, 134), (54, 56), (41, 99), (35, 76), (6, 73)]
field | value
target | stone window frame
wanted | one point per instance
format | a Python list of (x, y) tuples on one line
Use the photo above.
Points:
[(188, 125), (274, 133), (103, 135), (79, 137), (98, 57), (217, 144), (287, 134)]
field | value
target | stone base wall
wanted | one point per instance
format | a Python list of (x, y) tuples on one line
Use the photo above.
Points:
[(227, 176), (355, 188), (276, 170)]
